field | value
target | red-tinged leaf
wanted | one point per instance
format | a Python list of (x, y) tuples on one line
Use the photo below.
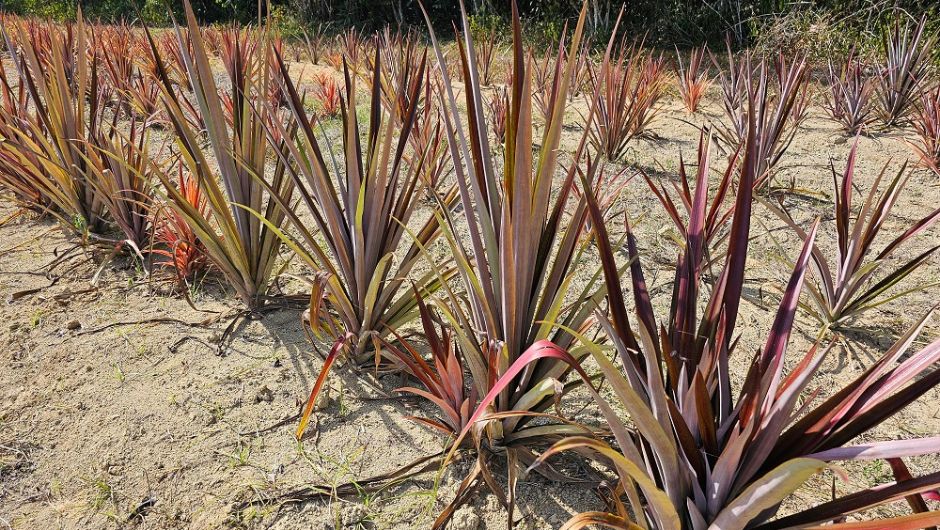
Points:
[(717, 218), (618, 308), (843, 202), (766, 492), (466, 488), (688, 270), (870, 401), (856, 502), (335, 351), (703, 408), (910, 368), (542, 349), (447, 430), (666, 201), (916, 501), (760, 406), (881, 411), (599, 519), (414, 363), (816, 430), (685, 440), (726, 295), (641, 297), (445, 407), (905, 522), (660, 504), (799, 371), (869, 298), (881, 450), (776, 345)]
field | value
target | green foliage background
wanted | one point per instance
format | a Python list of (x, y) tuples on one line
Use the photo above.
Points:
[(771, 23), (152, 11)]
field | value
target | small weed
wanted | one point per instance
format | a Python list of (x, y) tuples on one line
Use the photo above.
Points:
[(876, 472), (241, 456), (36, 319), (118, 373), (104, 499)]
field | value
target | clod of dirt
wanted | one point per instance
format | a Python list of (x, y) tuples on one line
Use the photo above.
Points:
[(353, 514), (323, 399), (72, 325), (465, 519), (492, 504), (264, 395)]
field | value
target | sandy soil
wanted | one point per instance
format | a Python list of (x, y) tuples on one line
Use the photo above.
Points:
[(110, 418)]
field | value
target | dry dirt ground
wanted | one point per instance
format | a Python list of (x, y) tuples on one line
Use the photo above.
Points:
[(112, 418)]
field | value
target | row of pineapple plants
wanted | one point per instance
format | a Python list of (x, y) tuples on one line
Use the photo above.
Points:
[(252, 175)]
